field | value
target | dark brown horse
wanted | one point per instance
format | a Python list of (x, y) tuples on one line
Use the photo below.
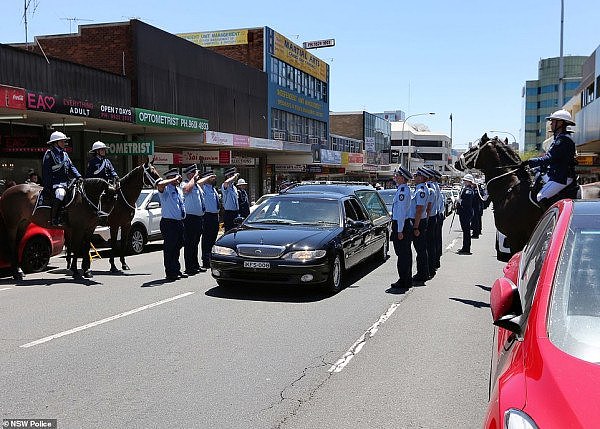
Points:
[(509, 186), (18, 209), (131, 185)]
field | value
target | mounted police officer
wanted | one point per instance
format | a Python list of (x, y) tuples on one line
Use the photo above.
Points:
[(465, 212), (193, 197), (418, 214), (231, 205), (171, 223), (58, 171), (402, 228), (99, 165), (559, 160), (212, 204), (432, 217)]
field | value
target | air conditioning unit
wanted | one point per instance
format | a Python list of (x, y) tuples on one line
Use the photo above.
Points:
[(279, 135), (313, 140), (296, 138)]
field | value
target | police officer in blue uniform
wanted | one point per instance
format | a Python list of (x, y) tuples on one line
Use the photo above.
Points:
[(231, 205), (243, 198), (212, 205), (171, 224), (559, 160), (58, 171), (479, 199), (432, 215), (99, 165), (402, 228), (418, 214), (466, 211), (193, 197), (440, 218)]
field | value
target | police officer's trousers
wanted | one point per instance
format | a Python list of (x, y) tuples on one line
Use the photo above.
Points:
[(193, 231), (465, 225), (228, 217), (431, 244), (173, 233), (209, 236), (438, 239), (403, 250), (420, 244)]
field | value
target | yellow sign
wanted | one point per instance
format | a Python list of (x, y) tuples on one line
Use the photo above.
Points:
[(288, 52), (585, 159), (217, 38)]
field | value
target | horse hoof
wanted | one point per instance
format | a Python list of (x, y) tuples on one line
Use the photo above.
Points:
[(88, 274), (114, 270), (18, 276), (125, 267), (76, 274)]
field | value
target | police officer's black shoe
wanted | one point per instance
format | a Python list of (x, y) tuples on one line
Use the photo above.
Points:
[(399, 285), (464, 252)]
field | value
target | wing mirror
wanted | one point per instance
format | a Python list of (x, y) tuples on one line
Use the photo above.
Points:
[(356, 224), (505, 303), (153, 205)]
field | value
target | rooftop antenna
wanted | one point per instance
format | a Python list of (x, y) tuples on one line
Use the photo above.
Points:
[(27, 5), (72, 20)]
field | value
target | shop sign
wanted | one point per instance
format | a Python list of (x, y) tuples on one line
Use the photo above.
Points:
[(344, 158), (12, 97), (42, 102), (291, 168), (370, 144), (586, 159), (131, 148), (30, 143), (241, 141), (162, 158), (242, 161), (314, 44), (266, 143), (224, 157), (331, 156), (200, 156), (288, 52), (169, 120), (395, 156), (334, 170), (314, 169), (215, 137), (355, 158), (370, 167), (217, 38)]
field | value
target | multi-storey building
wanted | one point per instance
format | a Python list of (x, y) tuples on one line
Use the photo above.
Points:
[(541, 96)]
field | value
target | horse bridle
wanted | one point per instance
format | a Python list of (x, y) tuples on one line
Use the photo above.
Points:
[(148, 176)]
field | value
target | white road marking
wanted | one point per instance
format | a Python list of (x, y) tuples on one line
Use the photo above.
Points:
[(451, 244), (358, 344), (100, 322), (6, 288)]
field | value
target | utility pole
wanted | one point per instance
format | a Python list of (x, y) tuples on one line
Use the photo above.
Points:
[(561, 59)]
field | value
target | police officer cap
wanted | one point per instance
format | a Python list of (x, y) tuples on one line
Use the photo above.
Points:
[(422, 172), (172, 173), (191, 169), (403, 172), (208, 173), (230, 171), (433, 172)]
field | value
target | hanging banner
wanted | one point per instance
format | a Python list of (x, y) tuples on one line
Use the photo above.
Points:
[(12, 97)]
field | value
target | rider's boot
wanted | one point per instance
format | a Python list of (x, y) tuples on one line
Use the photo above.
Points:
[(55, 212)]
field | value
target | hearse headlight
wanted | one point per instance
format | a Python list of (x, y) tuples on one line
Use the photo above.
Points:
[(305, 255), (223, 251)]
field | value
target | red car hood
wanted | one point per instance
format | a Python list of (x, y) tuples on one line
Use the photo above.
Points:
[(562, 391)]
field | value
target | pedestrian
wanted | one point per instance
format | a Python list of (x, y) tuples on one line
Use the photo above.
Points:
[(229, 191), (402, 228), (193, 197), (243, 198), (33, 178), (99, 166), (57, 172), (465, 212), (432, 213), (418, 214), (212, 205), (559, 161), (171, 223)]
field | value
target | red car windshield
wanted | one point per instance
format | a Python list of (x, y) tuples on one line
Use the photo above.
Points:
[(574, 321)]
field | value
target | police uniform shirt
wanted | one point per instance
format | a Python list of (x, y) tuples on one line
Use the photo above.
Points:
[(171, 201), (419, 198), (441, 198), (230, 197), (432, 198), (559, 159), (401, 205), (193, 200), (101, 168), (466, 201), (211, 198), (57, 168)]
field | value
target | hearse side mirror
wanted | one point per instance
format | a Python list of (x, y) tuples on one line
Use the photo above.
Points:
[(505, 304)]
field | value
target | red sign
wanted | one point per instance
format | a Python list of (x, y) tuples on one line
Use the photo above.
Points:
[(12, 98), (177, 158), (224, 157)]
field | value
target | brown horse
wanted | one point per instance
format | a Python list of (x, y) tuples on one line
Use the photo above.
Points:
[(509, 186), (18, 209), (131, 185)]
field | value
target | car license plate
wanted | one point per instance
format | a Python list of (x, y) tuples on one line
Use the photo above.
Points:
[(252, 264)]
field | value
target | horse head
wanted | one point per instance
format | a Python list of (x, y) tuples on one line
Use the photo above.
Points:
[(151, 176), (489, 155)]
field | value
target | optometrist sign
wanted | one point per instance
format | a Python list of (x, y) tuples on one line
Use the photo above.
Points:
[(169, 120), (131, 148)]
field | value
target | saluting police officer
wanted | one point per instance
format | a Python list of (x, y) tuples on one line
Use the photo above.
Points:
[(465, 212), (418, 213), (440, 218), (231, 205), (193, 197), (432, 212), (212, 205), (171, 224), (402, 228)]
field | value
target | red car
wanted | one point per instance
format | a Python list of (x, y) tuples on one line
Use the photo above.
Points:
[(36, 248), (545, 369)]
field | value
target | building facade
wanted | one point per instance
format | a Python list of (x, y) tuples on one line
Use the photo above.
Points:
[(540, 96)]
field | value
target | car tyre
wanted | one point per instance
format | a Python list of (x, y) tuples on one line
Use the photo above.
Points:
[(225, 283), (334, 283), (137, 240), (36, 255), (383, 253)]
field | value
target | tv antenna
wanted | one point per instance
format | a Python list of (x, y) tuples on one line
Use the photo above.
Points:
[(27, 6), (75, 20)]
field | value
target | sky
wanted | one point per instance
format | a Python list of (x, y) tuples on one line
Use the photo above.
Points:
[(468, 58)]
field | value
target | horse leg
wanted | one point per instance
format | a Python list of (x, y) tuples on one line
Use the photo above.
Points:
[(113, 245), (124, 234), (85, 259), (14, 238)]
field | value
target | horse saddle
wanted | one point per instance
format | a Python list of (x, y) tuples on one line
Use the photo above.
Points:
[(571, 191)]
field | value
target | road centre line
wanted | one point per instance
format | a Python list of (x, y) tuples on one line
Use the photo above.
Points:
[(6, 288), (358, 344), (451, 244), (100, 322)]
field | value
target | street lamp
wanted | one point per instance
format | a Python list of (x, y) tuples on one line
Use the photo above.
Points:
[(409, 139)]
